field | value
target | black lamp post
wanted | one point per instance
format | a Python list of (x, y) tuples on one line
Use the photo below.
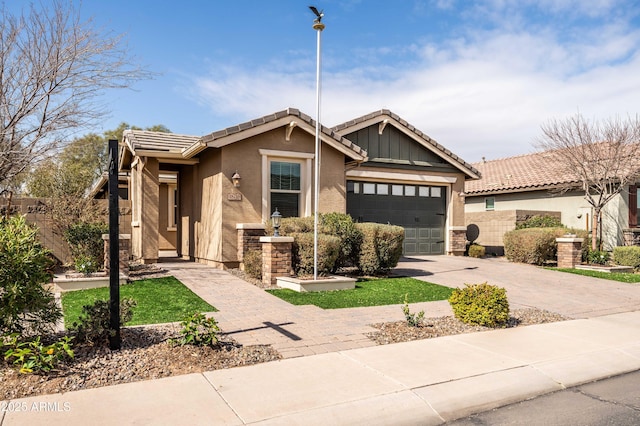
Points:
[(275, 221)]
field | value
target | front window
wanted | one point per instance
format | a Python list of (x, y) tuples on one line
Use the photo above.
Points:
[(285, 188)]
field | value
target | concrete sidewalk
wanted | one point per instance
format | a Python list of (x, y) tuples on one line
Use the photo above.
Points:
[(421, 382)]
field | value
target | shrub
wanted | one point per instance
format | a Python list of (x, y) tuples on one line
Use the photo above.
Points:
[(381, 247), (302, 257), (413, 319), (337, 224), (538, 221), (94, 325), (480, 304), (198, 330), (25, 305), (532, 245), (34, 356), (341, 225), (85, 242), (85, 264), (253, 263), (627, 256), (598, 257), (476, 250)]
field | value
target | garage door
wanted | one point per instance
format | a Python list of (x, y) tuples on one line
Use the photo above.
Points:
[(419, 209)]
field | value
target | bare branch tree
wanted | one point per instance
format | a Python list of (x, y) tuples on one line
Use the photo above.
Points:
[(53, 68), (604, 157)]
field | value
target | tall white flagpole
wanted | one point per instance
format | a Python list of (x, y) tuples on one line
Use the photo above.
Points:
[(318, 26)]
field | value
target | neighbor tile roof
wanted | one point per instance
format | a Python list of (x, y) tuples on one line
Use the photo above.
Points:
[(445, 153), (518, 174)]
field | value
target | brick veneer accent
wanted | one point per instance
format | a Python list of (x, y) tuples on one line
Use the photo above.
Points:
[(249, 238), (569, 252), (124, 249), (276, 258), (457, 241)]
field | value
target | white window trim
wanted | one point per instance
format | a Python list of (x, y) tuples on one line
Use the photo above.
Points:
[(305, 160), (485, 204)]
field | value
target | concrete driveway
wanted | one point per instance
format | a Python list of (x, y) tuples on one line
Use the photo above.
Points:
[(528, 286)]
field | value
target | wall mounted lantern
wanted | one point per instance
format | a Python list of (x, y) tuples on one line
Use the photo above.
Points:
[(275, 221), (236, 179)]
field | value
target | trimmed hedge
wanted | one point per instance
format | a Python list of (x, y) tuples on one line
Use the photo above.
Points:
[(381, 247), (627, 256), (537, 245), (253, 263), (480, 304), (476, 250), (342, 226), (302, 257), (538, 221)]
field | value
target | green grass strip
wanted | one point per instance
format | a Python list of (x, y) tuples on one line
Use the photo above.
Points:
[(159, 300), (369, 292), (612, 276)]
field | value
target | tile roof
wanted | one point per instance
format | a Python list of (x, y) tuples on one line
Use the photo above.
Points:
[(276, 116), (423, 137), (158, 141), (518, 174)]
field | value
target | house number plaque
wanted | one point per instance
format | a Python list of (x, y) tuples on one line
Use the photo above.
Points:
[(234, 196)]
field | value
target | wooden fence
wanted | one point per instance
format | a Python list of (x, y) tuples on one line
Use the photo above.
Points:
[(36, 212)]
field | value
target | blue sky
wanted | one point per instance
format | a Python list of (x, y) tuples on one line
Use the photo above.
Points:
[(480, 77)]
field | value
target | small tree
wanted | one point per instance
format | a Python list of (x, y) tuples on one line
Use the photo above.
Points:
[(25, 305), (602, 157), (54, 67)]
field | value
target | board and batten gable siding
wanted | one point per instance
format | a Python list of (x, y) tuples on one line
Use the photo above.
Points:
[(392, 145)]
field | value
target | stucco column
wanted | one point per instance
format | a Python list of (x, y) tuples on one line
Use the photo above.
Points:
[(276, 258), (569, 252), (149, 213)]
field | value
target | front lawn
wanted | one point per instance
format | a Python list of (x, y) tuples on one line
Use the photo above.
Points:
[(613, 276), (369, 292), (159, 300)]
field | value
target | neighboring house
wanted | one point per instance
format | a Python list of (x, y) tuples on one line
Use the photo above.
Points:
[(516, 188), (377, 168)]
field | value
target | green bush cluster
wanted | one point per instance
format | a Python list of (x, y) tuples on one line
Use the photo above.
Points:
[(540, 221), (598, 257), (480, 304), (381, 247), (253, 263), (33, 356), (25, 305), (627, 256), (86, 245), (198, 330), (536, 245), (373, 248), (476, 250), (302, 256), (94, 325)]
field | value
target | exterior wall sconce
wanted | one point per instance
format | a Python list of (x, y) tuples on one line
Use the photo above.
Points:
[(236, 179), (275, 221)]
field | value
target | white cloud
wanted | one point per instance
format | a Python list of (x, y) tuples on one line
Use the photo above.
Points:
[(482, 94)]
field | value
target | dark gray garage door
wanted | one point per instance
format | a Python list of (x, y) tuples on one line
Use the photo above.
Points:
[(420, 210)]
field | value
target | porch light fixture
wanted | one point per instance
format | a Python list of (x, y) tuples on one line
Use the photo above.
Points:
[(275, 221), (236, 179)]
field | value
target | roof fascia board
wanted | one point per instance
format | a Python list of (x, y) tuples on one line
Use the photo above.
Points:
[(283, 122)]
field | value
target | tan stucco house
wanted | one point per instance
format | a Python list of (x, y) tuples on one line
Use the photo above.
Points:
[(377, 168), (515, 188)]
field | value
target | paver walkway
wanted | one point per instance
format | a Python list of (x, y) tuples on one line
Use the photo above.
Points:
[(252, 316)]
